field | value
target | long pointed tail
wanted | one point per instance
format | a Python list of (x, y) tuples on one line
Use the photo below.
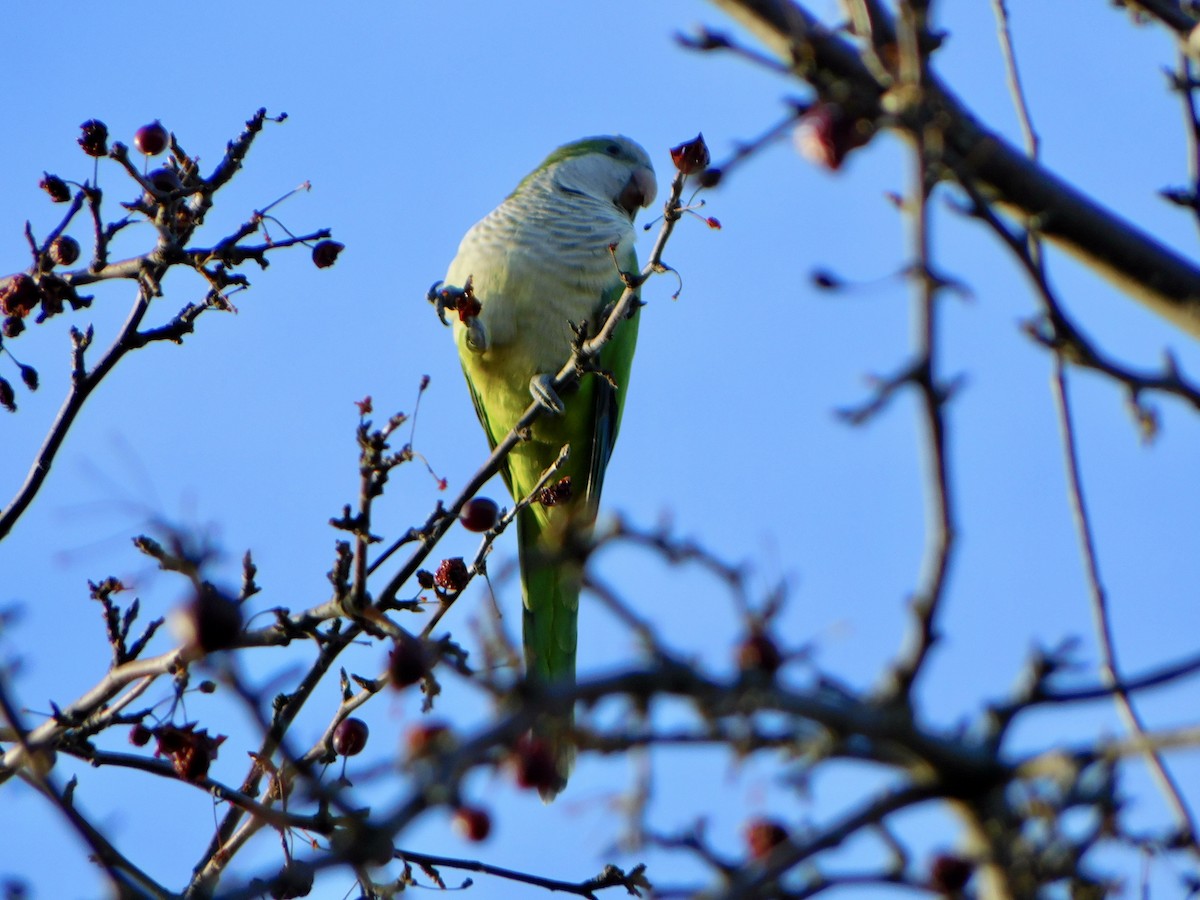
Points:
[(551, 583)]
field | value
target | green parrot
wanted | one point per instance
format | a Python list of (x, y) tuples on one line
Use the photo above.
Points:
[(546, 259)]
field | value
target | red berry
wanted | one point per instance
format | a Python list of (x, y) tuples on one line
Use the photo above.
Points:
[(557, 493), (139, 735), (949, 874), (763, 836), (472, 823), (350, 737), (19, 296), (452, 574), (758, 653), (480, 514), (408, 662), (151, 139), (424, 740), (691, 156), (826, 135), (64, 250), (191, 751), (325, 253), (534, 766)]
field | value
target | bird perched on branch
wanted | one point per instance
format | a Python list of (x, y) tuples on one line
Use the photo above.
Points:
[(548, 259)]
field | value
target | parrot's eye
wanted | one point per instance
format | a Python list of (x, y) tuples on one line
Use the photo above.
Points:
[(612, 150)]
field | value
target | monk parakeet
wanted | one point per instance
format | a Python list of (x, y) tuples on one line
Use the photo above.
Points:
[(546, 259)]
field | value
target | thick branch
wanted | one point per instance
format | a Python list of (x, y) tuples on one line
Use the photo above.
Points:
[(1136, 263)]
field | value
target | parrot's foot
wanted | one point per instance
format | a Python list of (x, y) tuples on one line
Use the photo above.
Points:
[(464, 302), (542, 389)]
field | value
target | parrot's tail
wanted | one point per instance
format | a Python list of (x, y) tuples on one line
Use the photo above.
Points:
[(556, 734), (551, 582)]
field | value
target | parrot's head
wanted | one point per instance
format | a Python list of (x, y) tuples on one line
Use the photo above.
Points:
[(609, 168)]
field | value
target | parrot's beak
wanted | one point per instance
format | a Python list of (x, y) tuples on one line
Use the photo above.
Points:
[(640, 190)]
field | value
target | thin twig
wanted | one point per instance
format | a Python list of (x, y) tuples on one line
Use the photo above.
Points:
[(940, 528), (609, 878), (1013, 74), (1101, 612)]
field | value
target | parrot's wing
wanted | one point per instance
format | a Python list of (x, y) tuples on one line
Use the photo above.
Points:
[(608, 402), (489, 429)]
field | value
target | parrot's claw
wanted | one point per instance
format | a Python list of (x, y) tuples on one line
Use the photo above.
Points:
[(440, 300), (477, 339), (542, 388), (462, 300)]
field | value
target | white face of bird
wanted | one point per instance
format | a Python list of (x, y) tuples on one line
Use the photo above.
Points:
[(617, 170)]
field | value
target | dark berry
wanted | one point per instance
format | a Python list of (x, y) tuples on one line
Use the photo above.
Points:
[(350, 737), (763, 836), (55, 187), (533, 765), (427, 739), (64, 250), (557, 493), (94, 137), (19, 296), (691, 156), (425, 578), (191, 751), (949, 874), (325, 253), (408, 661), (480, 514), (151, 139), (826, 135), (207, 687), (294, 880), (139, 735), (452, 574), (758, 653), (472, 823)]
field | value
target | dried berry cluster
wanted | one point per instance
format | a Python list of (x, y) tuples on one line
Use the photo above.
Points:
[(174, 198)]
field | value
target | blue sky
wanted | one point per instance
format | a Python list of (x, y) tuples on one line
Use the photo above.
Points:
[(413, 122)]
